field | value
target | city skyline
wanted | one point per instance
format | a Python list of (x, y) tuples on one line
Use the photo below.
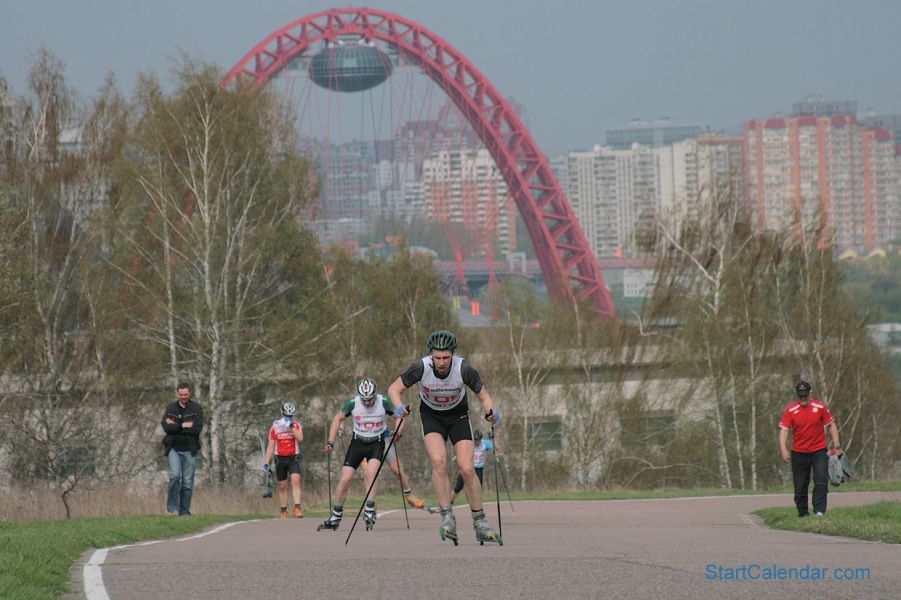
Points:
[(696, 62)]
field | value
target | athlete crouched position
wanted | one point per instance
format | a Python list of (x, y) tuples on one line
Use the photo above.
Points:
[(444, 412), (369, 412)]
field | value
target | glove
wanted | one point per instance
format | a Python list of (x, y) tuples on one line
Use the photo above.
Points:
[(329, 446), (266, 469), (402, 411), (493, 413)]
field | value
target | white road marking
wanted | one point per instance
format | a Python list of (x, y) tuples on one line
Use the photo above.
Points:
[(93, 574)]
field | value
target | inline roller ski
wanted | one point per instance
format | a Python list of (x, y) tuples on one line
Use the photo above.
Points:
[(484, 531), (369, 515), (448, 529), (328, 524), (332, 522)]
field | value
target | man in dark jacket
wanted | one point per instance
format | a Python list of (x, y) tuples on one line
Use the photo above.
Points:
[(182, 422)]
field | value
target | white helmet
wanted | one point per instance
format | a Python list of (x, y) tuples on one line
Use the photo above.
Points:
[(366, 390), (288, 409)]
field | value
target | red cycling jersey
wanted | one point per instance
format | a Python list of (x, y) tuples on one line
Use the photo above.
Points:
[(287, 444), (807, 424)]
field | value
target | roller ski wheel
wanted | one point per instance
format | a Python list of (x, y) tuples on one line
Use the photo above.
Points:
[(370, 521), (499, 541), (449, 535), (448, 529), (328, 525), (484, 533)]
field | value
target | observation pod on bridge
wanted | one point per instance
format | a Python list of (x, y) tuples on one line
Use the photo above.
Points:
[(350, 66)]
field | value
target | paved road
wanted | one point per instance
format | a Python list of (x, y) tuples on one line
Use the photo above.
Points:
[(612, 549)]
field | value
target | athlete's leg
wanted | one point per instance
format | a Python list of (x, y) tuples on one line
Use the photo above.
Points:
[(369, 471), (281, 475), (347, 474), (295, 487), (464, 451), (283, 493), (434, 447)]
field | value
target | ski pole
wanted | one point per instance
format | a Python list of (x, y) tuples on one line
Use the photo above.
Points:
[(497, 491), (403, 500), (328, 462), (504, 477), (374, 479)]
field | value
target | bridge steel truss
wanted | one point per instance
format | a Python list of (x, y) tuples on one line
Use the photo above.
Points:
[(570, 270)]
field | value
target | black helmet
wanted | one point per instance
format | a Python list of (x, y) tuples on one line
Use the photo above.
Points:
[(477, 436), (288, 409), (366, 390), (802, 389), (442, 340)]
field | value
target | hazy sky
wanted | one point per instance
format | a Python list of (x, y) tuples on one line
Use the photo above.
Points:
[(579, 67)]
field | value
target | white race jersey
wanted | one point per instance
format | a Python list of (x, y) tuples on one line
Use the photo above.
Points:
[(369, 421), (442, 394)]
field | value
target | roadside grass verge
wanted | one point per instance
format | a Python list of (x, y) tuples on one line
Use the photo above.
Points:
[(35, 558), (391, 499), (878, 522)]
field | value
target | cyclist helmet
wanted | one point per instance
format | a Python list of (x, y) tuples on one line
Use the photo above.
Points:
[(288, 409), (802, 389), (442, 340), (366, 391)]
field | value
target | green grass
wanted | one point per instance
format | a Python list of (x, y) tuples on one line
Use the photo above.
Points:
[(35, 558), (879, 522)]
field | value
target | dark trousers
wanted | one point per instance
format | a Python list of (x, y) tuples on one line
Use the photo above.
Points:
[(802, 465)]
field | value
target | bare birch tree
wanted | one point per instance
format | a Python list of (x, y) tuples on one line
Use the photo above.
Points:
[(228, 274)]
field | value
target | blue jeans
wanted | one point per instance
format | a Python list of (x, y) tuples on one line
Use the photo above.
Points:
[(181, 481)]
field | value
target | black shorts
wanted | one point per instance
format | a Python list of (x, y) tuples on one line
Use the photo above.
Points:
[(358, 450), (285, 465), (454, 426)]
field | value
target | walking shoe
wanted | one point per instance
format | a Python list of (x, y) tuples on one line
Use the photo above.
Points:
[(283, 514), (413, 501), (819, 514), (172, 513), (298, 514)]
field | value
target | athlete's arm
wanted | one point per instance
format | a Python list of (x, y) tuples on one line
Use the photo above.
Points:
[(337, 421), (297, 431), (472, 379), (270, 450), (487, 402), (394, 391)]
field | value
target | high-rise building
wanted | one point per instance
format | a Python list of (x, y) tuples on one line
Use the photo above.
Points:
[(694, 171), (613, 192), (610, 191), (830, 166), (890, 122), (655, 134), (466, 187)]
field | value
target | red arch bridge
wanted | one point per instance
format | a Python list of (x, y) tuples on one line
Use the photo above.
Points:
[(570, 270)]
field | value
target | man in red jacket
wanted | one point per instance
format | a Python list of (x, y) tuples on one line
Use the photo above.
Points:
[(808, 418)]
